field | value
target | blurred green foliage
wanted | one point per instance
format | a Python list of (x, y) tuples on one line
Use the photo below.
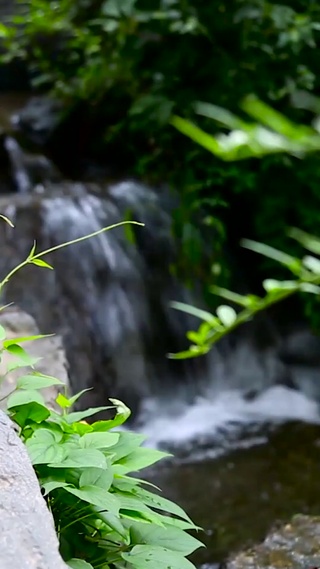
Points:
[(135, 63)]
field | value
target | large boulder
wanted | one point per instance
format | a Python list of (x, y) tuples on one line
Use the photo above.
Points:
[(27, 535), (294, 546)]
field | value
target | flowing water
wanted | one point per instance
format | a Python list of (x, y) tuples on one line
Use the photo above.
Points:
[(243, 425)]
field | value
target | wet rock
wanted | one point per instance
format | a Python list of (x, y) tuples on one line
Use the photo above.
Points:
[(27, 535), (301, 348), (294, 546)]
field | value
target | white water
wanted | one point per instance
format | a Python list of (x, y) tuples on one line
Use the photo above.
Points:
[(217, 417)]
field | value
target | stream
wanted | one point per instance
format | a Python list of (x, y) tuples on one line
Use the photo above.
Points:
[(241, 468), (243, 423)]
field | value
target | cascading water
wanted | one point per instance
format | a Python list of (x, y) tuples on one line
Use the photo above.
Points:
[(109, 298)]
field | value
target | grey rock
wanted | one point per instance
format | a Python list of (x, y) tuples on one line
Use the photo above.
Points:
[(294, 546), (27, 535), (300, 347)]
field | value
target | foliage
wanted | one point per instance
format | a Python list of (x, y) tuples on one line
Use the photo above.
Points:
[(132, 64), (215, 326), (104, 517)]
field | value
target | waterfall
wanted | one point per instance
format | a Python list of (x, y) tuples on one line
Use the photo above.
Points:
[(109, 297)]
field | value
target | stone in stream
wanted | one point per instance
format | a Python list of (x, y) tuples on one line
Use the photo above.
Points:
[(294, 546)]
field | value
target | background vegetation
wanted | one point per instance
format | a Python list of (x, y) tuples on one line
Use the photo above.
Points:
[(130, 65)]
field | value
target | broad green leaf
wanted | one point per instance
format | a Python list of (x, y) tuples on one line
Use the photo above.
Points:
[(21, 354), (17, 364), (127, 443), (96, 477), (23, 397), (227, 315), (63, 401), (37, 381), (75, 563), (33, 411), (194, 311), (98, 497), (99, 440), (141, 458), (82, 458), (80, 415), (114, 522), (161, 503), (153, 557), (53, 485), (170, 538), (44, 448), (40, 263), (3, 333)]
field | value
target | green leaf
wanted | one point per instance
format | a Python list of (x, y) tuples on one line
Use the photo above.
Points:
[(75, 563), (14, 341), (113, 522), (312, 264), (17, 364), (63, 401), (3, 333), (231, 296), (227, 315), (141, 458), (153, 557), (98, 497), (310, 288), (198, 312), (32, 411), (293, 264), (80, 415), (40, 263), (127, 443), (24, 357), (310, 242), (171, 538), (44, 448), (23, 397), (272, 285), (82, 458), (33, 250), (77, 396), (96, 477), (99, 440), (52, 485), (37, 381), (161, 503)]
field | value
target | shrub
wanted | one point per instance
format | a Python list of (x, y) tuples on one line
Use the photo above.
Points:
[(104, 517)]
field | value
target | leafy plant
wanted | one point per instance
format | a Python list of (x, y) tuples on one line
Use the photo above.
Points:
[(104, 517)]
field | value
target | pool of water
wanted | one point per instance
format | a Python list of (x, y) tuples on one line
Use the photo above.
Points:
[(239, 479)]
